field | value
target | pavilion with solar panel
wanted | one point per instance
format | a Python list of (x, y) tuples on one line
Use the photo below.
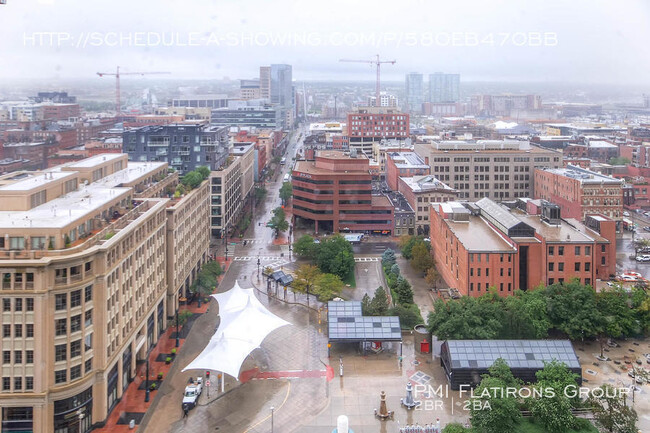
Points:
[(346, 324), (465, 361)]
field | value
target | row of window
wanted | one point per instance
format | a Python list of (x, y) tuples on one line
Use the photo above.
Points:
[(487, 272), (18, 358), (576, 266), (577, 250), (18, 383), (487, 286), (18, 305), (61, 350), (61, 299), (18, 331), (61, 325), (61, 376)]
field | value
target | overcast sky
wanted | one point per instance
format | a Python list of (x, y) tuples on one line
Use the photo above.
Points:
[(586, 41)]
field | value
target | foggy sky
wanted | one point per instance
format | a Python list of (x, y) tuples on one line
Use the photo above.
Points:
[(595, 41)]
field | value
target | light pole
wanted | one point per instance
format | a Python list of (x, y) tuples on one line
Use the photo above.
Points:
[(177, 337), (272, 410), (258, 267), (146, 386)]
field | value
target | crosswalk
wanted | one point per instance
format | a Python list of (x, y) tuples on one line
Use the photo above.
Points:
[(281, 259), (366, 259), (254, 241)]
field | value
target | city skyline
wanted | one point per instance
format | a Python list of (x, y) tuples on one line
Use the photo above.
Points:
[(44, 40)]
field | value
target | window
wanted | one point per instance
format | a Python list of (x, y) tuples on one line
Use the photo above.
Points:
[(75, 298), (577, 251), (551, 266), (88, 292), (88, 318), (75, 323), (487, 271), (88, 266), (18, 356), (29, 330), (560, 266), (577, 266), (602, 248), (60, 376), (6, 304), (471, 287), (6, 384), (478, 272), (29, 383), (6, 331), (18, 331), (88, 342), (551, 251), (61, 326), (587, 266), (587, 281), (6, 357), (602, 260), (587, 251), (60, 352), (88, 365), (75, 372), (17, 243), (501, 272), (18, 304), (61, 301), (560, 251), (18, 383), (75, 349), (29, 356), (29, 302), (471, 272), (551, 281)]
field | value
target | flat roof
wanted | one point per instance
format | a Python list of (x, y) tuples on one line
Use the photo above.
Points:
[(583, 175), (407, 160), (478, 235), (602, 144), (562, 232), (425, 183), (95, 160), (35, 180), (481, 354)]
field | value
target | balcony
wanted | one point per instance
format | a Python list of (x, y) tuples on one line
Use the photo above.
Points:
[(158, 141)]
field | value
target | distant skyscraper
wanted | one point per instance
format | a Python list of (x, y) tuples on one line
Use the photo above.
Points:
[(281, 86), (265, 82), (444, 87), (414, 92)]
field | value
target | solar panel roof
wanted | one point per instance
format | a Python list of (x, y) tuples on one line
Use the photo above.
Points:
[(517, 353), (346, 323)]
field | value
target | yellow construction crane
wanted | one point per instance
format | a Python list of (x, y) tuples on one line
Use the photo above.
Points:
[(378, 63), (117, 74)]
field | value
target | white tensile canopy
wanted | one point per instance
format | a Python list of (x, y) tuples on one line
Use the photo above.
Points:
[(245, 323)]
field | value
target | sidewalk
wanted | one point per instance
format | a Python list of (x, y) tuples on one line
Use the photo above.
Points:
[(132, 404)]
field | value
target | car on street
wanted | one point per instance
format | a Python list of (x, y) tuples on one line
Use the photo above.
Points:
[(192, 393), (643, 258), (646, 228), (626, 213)]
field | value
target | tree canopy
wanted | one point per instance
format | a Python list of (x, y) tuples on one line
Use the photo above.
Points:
[(286, 191), (335, 256)]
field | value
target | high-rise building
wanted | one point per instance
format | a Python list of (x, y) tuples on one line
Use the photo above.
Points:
[(281, 85), (444, 87), (184, 146), (265, 82), (249, 89), (385, 100), (414, 92), (254, 112), (95, 258)]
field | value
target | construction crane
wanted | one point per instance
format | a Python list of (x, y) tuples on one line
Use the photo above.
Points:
[(117, 74), (378, 63)]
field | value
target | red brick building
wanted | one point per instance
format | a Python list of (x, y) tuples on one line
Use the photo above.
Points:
[(334, 192), (369, 124), (482, 245), (403, 164), (580, 192), (60, 111)]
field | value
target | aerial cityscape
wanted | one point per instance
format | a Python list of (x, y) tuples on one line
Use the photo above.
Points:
[(352, 217)]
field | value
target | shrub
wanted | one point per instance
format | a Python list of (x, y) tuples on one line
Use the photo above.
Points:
[(168, 360)]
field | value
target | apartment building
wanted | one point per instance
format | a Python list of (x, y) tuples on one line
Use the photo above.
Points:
[(88, 252), (403, 164), (419, 192), (368, 125), (200, 101), (580, 192), (497, 169), (184, 146), (483, 245), (334, 192)]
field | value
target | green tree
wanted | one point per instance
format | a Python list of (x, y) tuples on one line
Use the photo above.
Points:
[(553, 410), (611, 413), (619, 160), (278, 221), (404, 291), (465, 319), (388, 258), (365, 305), (619, 319), (192, 179), (572, 310), (285, 192), (203, 171), (641, 308), (455, 427), (409, 315), (525, 316), (305, 247), (379, 303), (495, 411), (421, 259), (431, 277), (335, 256), (306, 279), (395, 270), (328, 286), (406, 243), (213, 268)]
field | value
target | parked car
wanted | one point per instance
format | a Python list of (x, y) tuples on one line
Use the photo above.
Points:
[(192, 393), (643, 258), (646, 228), (626, 213)]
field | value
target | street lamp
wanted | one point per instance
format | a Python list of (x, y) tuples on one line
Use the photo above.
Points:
[(177, 337), (258, 267), (146, 386), (272, 410)]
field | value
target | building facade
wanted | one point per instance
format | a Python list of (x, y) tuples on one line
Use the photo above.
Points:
[(84, 283), (368, 125), (500, 170), (420, 191), (483, 245), (403, 164), (253, 113), (414, 92), (334, 192), (183, 146), (580, 192), (444, 87)]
